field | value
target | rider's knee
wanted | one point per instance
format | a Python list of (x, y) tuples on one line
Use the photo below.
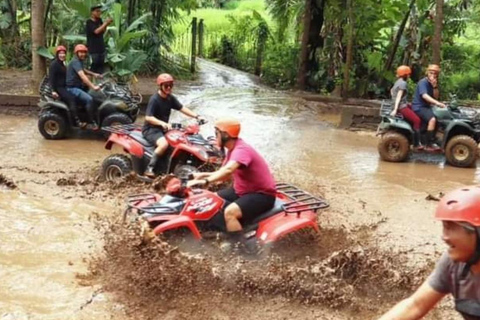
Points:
[(432, 121), (230, 213), (162, 142)]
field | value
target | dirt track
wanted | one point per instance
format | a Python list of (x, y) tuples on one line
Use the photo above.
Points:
[(64, 254)]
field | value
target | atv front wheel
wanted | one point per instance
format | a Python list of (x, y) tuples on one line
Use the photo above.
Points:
[(116, 166), (52, 125), (393, 147), (183, 170), (461, 151)]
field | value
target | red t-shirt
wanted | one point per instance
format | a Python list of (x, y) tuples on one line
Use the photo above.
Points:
[(253, 175)]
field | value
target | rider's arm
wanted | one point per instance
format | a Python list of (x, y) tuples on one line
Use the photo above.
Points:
[(91, 73), (156, 122), (219, 175), (416, 306), (188, 112), (397, 101), (430, 100), (85, 79)]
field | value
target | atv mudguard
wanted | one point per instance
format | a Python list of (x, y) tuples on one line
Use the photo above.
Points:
[(175, 222), (455, 127), (187, 150), (281, 224), (52, 104), (129, 145), (395, 124)]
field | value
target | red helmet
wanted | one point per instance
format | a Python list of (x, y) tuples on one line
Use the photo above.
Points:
[(434, 68), (403, 71), (164, 78), (80, 48), (460, 205), (230, 126), (60, 48)]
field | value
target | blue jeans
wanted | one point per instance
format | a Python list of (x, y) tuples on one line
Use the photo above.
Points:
[(86, 99)]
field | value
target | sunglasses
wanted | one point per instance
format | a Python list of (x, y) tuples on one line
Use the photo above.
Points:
[(168, 85)]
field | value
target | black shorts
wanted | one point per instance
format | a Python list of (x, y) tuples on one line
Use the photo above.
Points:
[(252, 204), (152, 135), (425, 114)]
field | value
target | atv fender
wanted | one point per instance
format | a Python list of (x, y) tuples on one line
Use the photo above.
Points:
[(175, 222), (200, 154), (128, 144), (456, 127), (390, 123), (281, 224), (52, 104), (113, 104)]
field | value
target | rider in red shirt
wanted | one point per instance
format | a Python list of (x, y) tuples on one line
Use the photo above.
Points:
[(253, 191)]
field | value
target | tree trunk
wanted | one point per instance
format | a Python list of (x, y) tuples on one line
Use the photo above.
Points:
[(437, 34), (302, 70), (38, 40), (398, 36), (349, 60)]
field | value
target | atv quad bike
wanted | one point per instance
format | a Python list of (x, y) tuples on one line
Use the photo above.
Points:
[(200, 210), (113, 105), (458, 131), (188, 152)]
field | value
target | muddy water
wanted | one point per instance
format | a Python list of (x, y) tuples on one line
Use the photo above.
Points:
[(45, 234)]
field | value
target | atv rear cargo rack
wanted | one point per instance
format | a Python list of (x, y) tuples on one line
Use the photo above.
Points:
[(301, 200), (123, 128)]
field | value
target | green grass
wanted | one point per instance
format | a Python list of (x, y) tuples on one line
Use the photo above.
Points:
[(216, 20)]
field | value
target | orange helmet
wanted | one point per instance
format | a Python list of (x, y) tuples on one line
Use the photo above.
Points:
[(403, 71), (60, 48), (80, 48), (434, 68), (461, 205), (230, 126), (164, 78)]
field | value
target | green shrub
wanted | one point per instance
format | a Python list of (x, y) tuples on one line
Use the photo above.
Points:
[(280, 64)]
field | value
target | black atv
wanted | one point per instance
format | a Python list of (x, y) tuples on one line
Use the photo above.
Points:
[(114, 105), (458, 133)]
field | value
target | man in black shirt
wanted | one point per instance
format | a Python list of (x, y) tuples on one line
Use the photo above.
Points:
[(157, 116), (95, 28)]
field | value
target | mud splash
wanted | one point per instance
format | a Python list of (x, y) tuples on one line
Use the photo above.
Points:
[(145, 274)]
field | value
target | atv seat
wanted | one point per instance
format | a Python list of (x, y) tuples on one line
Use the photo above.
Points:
[(277, 207), (138, 136)]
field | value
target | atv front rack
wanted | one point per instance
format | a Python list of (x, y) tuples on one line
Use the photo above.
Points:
[(122, 128), (301, 201)]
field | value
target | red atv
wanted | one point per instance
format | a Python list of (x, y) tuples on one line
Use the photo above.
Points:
[(188, 151), (201, 210)]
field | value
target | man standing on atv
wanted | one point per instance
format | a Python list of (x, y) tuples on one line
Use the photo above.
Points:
[(77, 78), (157, 116), (95, 28), (254, 187), (422, 104), (399, 94), (458, 270), (57, 74)]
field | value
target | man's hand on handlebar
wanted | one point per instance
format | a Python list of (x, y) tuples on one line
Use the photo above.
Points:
[(441, 105), (55, 95), (96, 88), (201, 119), (167, 126), (195, 182)]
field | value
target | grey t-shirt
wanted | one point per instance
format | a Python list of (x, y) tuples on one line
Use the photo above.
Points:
[(446, 279), (73, 79), (400, 84)]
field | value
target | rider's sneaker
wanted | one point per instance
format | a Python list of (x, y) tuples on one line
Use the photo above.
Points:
[(80, 124), (93, 126), (149, 173), (433, 148)]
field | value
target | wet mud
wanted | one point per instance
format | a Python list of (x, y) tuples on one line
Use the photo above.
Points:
[(65, 253)]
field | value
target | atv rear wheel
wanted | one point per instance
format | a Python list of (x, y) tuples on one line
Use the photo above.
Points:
[(393, 147), (52, 125), (116, 166), (461, 151), (115, 119)]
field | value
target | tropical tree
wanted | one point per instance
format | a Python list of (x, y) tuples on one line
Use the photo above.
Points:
[(38, 40)]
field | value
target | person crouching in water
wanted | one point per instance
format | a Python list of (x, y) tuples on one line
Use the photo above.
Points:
[(399, 94)]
